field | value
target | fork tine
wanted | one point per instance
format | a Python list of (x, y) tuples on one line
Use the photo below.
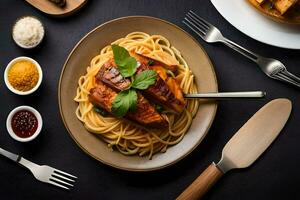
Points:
[(193, 26), (62, 177), (283, 78), (194, 30), (65, 173), (201, 19), (292, 76), (60, 181), (291, 82), (283, 75), (58, 185), (198, 22)]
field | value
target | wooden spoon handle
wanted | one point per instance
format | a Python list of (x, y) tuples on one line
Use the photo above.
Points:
[(202, 184)]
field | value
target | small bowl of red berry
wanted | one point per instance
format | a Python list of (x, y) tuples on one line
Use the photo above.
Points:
[(24, 123)]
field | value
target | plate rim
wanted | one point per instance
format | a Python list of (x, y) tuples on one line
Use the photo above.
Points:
[(251, 36), (113, 165)]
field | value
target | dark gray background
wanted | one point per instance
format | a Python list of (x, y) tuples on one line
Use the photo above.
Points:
[(275, 175)]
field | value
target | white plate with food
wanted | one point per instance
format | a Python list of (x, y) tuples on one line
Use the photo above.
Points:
[(121, 93), (242, 15)]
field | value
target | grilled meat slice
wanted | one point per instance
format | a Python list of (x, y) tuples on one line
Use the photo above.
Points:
[(102, 96), (172, 63), (161, 93), (145, 114), (165, 90), (110, 75)]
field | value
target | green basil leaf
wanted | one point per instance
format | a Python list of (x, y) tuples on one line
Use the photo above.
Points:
[(120, 54), (126, 64), (144, 79), (129, 68), (125, 101), (159, 108), (100, 111), (150, 62), (132, 100), (120, 104)]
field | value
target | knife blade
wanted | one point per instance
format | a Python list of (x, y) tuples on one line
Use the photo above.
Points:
[(251, 140)]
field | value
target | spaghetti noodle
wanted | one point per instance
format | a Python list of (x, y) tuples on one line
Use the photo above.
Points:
[(127, 137)]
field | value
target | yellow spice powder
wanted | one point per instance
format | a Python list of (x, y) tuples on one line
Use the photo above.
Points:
[(23, 75)]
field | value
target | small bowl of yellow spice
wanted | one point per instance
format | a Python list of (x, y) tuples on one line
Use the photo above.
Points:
[(23, 75)]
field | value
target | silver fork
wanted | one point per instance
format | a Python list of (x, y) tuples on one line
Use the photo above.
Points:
[(209, 33), (43, 173)]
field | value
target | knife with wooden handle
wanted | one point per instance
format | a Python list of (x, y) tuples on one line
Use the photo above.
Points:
[(244, 147)]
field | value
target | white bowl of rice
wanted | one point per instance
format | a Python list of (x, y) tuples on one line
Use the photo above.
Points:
[(28, 32)]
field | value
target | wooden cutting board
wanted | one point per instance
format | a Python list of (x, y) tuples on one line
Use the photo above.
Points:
[(54, 10)]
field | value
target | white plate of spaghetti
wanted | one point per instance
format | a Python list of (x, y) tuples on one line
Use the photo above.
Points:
[(121, 93)]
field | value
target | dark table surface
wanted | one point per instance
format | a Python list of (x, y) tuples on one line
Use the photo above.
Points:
[(275, 175)]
